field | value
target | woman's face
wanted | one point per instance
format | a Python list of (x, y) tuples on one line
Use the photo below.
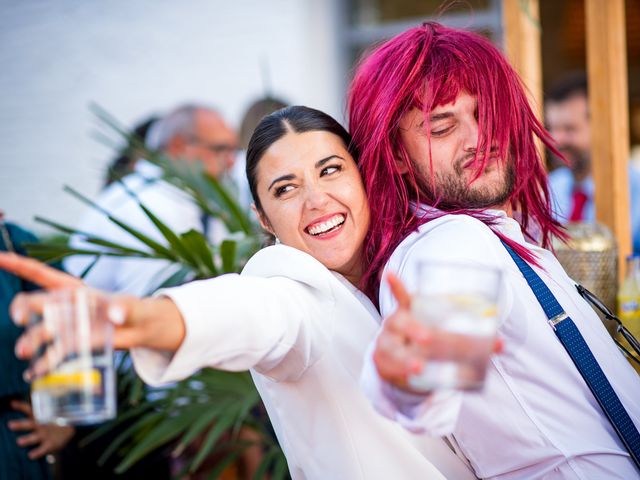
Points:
[(313, 199)]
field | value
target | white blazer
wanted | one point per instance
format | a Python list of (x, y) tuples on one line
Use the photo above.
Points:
[(303, 332)]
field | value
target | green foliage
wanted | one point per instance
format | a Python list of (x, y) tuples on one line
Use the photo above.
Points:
[(210, 403)]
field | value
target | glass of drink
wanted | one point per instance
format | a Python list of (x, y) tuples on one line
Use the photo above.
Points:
[(459, 304), (78, 386)]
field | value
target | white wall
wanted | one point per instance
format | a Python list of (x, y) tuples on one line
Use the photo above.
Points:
[(136, 58)]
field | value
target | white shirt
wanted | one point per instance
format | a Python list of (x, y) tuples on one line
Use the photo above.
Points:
[(137, 276), (303, 332), (536, 417)]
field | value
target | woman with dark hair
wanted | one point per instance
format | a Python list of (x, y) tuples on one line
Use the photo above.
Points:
[(294, 317)]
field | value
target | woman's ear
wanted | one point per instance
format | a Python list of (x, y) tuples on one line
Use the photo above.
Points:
[(262, 218)]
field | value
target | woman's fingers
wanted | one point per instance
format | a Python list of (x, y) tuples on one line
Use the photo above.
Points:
[(32, 340), (24, 306), (399, 292), (37, 272)]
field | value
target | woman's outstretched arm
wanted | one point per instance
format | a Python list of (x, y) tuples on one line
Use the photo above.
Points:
[(139, 322)]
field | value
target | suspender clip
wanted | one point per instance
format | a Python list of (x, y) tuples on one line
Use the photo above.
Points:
[(557, 319)]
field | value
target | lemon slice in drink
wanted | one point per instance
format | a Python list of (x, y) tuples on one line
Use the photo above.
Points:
[(83, 379)]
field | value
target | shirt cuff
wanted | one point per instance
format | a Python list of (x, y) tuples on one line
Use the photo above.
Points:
[(157, 367), (434, 414)]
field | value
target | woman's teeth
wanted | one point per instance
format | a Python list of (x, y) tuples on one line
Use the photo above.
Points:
[(324, 227)]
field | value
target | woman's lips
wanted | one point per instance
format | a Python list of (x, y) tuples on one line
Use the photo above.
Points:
[(326, 225)]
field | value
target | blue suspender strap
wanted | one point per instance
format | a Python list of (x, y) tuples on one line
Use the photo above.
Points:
[(586, 363)]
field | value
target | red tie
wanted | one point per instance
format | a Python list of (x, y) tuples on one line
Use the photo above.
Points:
[(579, 199)]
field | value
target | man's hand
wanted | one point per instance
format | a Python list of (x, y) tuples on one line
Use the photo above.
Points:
[(45, 439), (405, 344)]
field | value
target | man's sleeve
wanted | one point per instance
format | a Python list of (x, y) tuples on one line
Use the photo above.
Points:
[(433, 414)]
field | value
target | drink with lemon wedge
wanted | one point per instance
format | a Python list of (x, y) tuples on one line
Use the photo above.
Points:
[(78, 385), (459, 304)]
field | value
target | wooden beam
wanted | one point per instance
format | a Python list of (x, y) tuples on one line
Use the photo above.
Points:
[(608, 104), (521, 21)]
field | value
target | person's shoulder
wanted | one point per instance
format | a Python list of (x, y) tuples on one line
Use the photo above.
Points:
[(451, 236), (634, 174), (448, 227), (561, 177), (20, 235), (284, 261)]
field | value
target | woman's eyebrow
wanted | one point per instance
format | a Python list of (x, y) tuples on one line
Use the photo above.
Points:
[(289, 176), (321, 162)]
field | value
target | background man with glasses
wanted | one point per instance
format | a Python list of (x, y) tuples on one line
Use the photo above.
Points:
[(189, 133)]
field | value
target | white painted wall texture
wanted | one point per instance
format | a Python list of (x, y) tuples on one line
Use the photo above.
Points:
[(136, 58)]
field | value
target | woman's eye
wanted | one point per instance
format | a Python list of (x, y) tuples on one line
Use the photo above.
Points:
[(330, 169), (279, 191)]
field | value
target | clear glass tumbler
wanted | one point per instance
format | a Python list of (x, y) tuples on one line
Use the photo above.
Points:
[(78, 386), (459, 304)]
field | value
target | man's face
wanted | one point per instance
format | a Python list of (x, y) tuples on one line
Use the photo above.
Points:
[(213, 143), (568, 123), (454, 138)]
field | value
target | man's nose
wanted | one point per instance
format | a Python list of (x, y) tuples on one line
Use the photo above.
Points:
[(471, 136)]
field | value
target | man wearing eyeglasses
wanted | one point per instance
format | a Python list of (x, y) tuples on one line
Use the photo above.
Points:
[(191, 133)]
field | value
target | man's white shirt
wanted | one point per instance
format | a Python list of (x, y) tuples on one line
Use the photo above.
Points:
[(138, 276), (536, 417)]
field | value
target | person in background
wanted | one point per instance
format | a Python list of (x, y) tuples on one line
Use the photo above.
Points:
[(190, 133), (572, 187), (256, 111), (24, 443), (125, 162)]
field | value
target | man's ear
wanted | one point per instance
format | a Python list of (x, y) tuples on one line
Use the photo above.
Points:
[(401, 165), (176, 145), (262, 218)]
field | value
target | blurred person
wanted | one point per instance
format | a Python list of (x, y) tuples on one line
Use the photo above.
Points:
[(24, 443), (294, 317), (125, 162), (256, 111), (572, 187), (190, 133), (634, 128)]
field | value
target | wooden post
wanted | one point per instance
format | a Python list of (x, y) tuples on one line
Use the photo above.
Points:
[(521, 23), (608, 104)]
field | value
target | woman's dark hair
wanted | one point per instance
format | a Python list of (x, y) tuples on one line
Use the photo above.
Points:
[(273, 127)]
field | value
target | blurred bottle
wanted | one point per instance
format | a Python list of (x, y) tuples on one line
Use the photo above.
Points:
[(629, 297)]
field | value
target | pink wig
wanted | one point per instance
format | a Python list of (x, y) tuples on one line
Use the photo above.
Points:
[(425, 67)]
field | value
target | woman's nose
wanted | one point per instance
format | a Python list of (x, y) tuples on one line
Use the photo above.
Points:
[(315, 197)]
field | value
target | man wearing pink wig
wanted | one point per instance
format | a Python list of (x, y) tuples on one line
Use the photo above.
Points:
[(446, 138)]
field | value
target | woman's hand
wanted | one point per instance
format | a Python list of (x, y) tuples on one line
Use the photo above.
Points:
[(45, 438), (139, 322), (405, 344)]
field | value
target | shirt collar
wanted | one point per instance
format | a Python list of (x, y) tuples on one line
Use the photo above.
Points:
[(507, 226), (148, 170)]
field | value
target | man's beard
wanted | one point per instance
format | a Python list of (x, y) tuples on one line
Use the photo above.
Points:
[(450, 191)]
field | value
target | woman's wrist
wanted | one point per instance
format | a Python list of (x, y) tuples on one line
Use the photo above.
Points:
[(157, 324)]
